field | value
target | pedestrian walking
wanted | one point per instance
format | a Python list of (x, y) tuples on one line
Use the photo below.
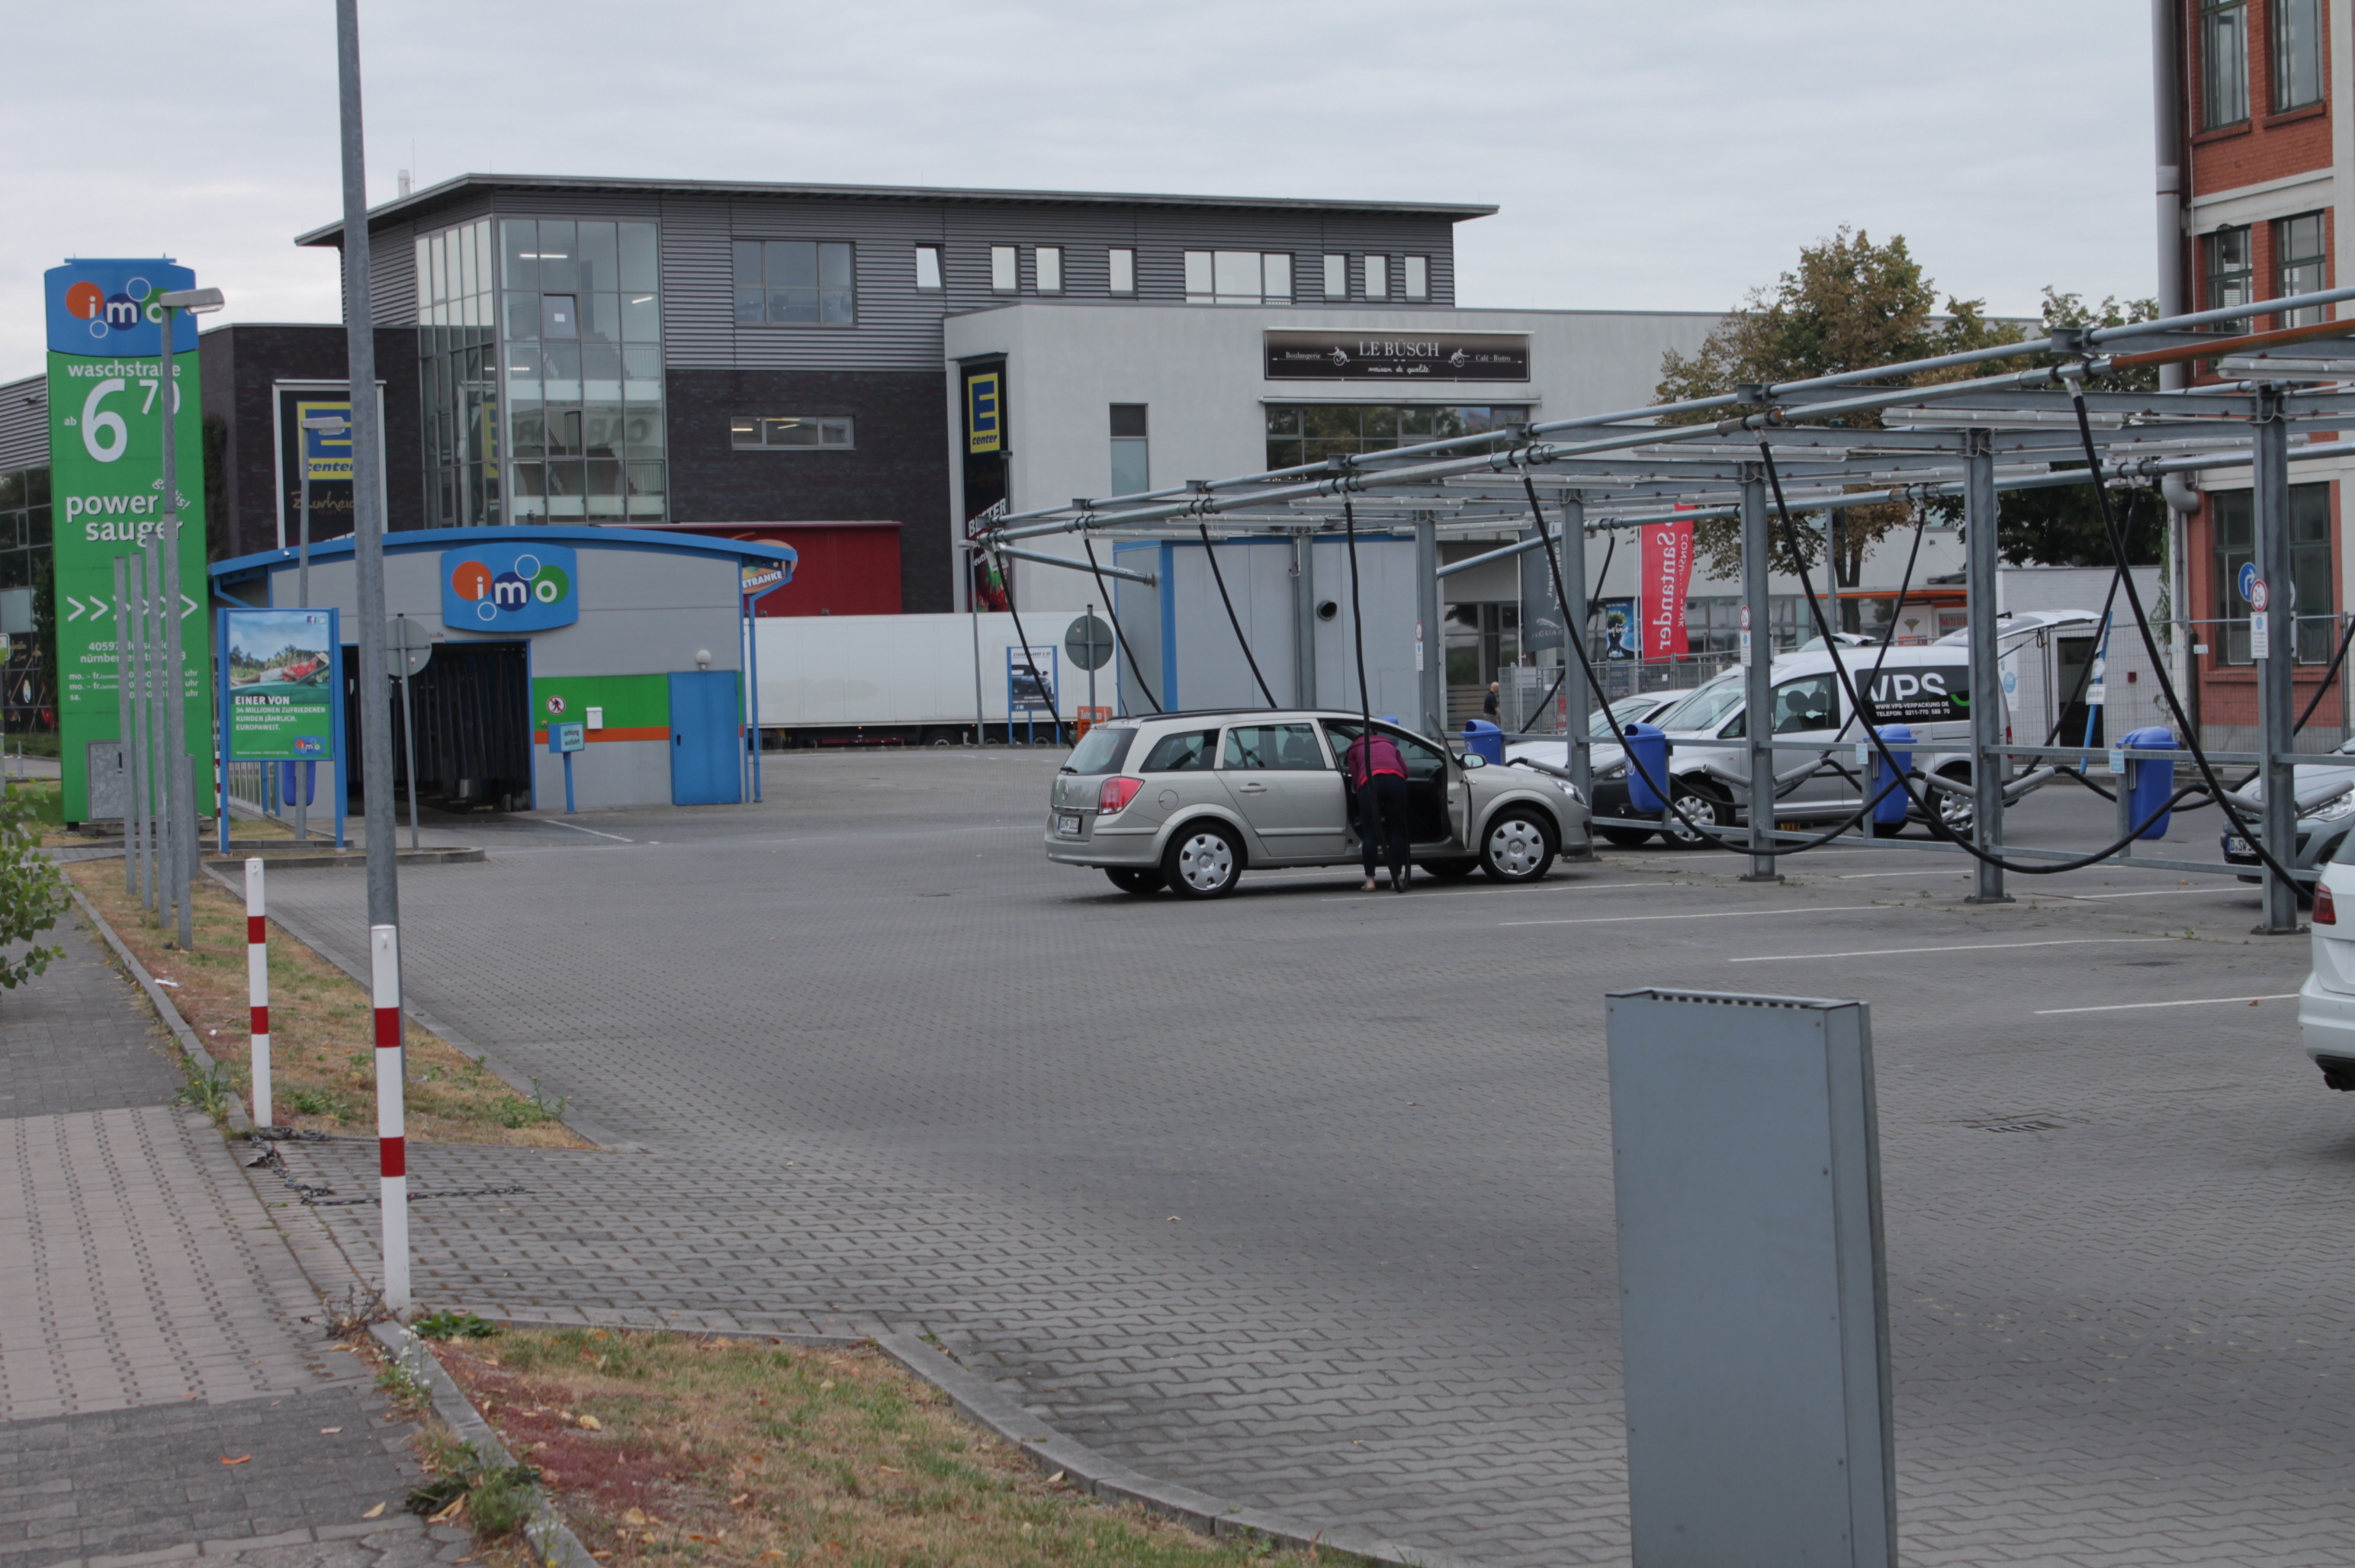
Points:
[(1490, 703), (1377, 775)]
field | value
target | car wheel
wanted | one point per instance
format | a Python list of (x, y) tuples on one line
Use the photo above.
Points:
[(1203, 861), (1625, 838), (1450, 871), (1703, 810), (1135, 880), (1957, 811), (1517, 848)]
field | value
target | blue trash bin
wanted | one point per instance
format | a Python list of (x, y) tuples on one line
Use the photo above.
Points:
[(1647, 767), (1889, 798), (310, 784), (2148, 785), (1483, 739)]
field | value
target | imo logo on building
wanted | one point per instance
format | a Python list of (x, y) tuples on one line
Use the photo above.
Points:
[(509, 588)]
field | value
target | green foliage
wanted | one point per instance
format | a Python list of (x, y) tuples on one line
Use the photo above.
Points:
[(498, 1498), (207, 1089), (2063, 526), (32, 892), (1849, 305), (321, 1102), (455, 1325)]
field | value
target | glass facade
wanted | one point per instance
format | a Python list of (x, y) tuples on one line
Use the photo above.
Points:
[(1311, 432), (581, 344), (24, 523), (456, 376), (2233, 513)]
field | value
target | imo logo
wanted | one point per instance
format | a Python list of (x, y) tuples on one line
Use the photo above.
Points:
[(508, 588), (119, 311), (97, 307)]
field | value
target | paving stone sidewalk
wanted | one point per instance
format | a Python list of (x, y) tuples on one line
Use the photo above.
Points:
[(167, 1391)]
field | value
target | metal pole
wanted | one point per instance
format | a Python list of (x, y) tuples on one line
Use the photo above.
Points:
[(302, 538), (2167, 135), (972, 608), (1303, 618), (179, 794), (1092, 669), (2273, 635), (368, 518), (1430, 642), (409, 744), (391, 1119), (1980, 562), (1574, 624), (1758, 668), (257, 984), (151, 872), (123, 677)]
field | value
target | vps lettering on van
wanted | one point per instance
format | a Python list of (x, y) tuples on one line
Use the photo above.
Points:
[(1917, 695)]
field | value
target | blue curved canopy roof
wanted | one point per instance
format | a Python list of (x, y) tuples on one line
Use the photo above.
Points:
[(403, 541)]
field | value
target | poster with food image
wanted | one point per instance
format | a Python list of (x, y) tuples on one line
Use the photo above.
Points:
[(278, 676)]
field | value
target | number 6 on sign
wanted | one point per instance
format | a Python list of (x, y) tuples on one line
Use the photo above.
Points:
[(94, 420)]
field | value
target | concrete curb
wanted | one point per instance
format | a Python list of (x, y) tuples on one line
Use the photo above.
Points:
[(986, 1405), (606, 1142), (238, 1122), (552, 1541)]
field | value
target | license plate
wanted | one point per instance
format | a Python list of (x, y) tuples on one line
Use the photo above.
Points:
[(2234, 845), (1067, 824)]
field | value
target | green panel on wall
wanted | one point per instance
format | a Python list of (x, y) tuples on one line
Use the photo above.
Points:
[(630, 701)]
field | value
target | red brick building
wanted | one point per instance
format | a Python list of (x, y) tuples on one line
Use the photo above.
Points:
[(2256, 160)]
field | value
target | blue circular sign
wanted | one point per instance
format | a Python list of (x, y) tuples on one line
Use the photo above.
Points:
[(2248, 582)]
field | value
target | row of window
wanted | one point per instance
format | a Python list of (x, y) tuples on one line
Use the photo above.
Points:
[(2296, 43), (2301, 265)]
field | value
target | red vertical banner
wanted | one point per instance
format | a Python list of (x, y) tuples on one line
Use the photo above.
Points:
[(1668, 574)]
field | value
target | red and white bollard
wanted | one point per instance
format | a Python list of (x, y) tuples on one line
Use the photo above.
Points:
[(257, 984), (384, 969)]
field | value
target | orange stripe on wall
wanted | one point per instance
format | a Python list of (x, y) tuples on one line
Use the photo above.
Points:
[(641, 732)]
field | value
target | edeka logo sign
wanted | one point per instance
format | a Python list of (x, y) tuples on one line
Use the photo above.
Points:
[(108, 402), (501, 588)]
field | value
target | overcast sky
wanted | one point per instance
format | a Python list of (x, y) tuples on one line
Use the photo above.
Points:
[(1645, 156)]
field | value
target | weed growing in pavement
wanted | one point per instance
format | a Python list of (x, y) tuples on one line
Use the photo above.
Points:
[(394, 1381), (497, 1499), (665, 1448), (207, 1089), (348, 1317), (455, 1325)]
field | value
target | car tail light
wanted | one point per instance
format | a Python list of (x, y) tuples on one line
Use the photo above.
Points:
[(2325, 911), (1116, 794)]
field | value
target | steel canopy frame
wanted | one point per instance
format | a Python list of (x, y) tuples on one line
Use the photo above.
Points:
[(1971, 438)]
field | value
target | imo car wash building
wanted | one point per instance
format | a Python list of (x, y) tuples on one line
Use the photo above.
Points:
[(642, 637)]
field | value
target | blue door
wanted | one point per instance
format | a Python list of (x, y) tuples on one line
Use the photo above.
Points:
[(703, 739)]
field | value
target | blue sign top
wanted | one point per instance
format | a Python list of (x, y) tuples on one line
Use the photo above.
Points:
[(102, 308), (498, 588), (2248, 582)]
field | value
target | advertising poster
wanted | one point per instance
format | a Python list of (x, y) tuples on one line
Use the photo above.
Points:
[(278, 675), (108, 402), (1619, 639), (1668, 575), (316, 460)]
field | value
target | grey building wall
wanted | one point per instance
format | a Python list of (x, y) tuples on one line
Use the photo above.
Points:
[(24, 423)]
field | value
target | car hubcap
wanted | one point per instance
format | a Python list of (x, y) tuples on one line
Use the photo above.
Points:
[(1516, 848), (1206, 862), (1702, 814)]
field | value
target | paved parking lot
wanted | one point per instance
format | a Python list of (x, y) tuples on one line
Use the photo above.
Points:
[(1303, 1198)]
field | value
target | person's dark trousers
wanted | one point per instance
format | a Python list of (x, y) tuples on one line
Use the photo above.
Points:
[(1381, 815)]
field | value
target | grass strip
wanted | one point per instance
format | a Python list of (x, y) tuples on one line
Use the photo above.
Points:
[(322, 1030), (669, 1449)]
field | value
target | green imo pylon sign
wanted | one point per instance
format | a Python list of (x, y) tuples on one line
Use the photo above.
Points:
[(108, 402)]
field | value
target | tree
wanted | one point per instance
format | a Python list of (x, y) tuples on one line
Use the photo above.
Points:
[(2063, 526), (32, 892), (1849, 305)]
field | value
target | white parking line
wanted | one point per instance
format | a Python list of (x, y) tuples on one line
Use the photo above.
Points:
[(2146, 893), (1927, 871), (1957, 947), (1418, 890), (1708, 914), (2194, 1002), (574, 826)]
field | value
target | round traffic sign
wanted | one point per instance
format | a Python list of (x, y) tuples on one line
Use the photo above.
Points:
[(555, 704), (2252, 586), (1089, 642), (2257, 594)]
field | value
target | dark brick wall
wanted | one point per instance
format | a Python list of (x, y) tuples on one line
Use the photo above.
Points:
[(240, 365), (899, 472)]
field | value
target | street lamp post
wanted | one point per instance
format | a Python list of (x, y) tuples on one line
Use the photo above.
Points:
[(179, 794)]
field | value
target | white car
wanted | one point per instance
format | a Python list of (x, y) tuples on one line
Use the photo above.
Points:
[(2326, 1003)]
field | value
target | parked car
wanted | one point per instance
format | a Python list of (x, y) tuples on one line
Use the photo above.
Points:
[(2326, 1003), (2325, 811), (1186, 801)]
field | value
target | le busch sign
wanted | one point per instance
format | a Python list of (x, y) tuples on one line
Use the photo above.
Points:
[(1436, 357)]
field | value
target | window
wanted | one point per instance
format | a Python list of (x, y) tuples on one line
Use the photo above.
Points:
[(2301, 265), (1005, 275), (2232, 513), (1123, 271), (1418, 277), (797, 282), (2223, 63), (2297, 53), (559, 315), (1311, 432), (2231, 271), (792, 433), (1337, 277), (1378, 277), (1132, 472), (1802, 705), (1283, 748), (928, 266), (1048, 263), (1238, 277), (1186, 751)]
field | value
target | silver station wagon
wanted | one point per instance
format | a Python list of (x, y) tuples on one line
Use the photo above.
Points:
[(1186, 801)]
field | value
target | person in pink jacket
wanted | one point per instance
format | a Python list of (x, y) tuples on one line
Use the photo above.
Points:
[(1377, 773)]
